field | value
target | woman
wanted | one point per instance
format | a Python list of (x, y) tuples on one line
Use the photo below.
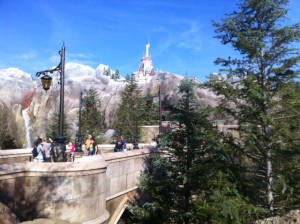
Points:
[(119, 145)]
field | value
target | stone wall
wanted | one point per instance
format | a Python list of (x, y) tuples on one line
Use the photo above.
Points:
[(122, 175), (67, 191), (93, 189), (148, 133), (15, 156)]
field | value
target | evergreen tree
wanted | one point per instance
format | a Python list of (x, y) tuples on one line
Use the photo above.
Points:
[(8, 130), (53, 126), (92, 122), (116, 75), (267, 61), (107, 72), (193, 178), (148, 110), (287, 186), (128, 111)]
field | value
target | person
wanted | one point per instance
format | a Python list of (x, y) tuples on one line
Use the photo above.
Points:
[(87, 143), (47, 150), (40, 150), (72, 151), (153, 144), (124, 143), (92, 148), (119, 145)]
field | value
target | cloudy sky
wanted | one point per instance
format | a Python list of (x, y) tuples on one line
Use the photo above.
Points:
[(115, 32)]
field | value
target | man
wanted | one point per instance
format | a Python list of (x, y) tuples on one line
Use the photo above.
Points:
[(47, 150)]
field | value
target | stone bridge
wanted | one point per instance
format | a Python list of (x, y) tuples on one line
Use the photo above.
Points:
[(93, 189)]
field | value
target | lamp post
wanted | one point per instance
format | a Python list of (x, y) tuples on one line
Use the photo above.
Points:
[(136, 137), (159, 104), (58, 147), (78, 142)]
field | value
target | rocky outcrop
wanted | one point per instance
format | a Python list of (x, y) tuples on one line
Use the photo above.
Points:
[(7, 216), (19, 91), (293, 217), (49, 221)]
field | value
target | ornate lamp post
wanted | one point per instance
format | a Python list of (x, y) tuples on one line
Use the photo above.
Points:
[(58, 147)]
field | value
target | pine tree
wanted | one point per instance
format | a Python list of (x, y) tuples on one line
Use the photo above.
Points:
[(128, 111), (92, 122), (148, 110), (116, 75), (266, 62), (287, 186), (8, 130), (53, 126), (193, 178)]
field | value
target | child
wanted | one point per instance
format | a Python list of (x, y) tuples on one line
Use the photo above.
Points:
[(92, 148), (72, 151)]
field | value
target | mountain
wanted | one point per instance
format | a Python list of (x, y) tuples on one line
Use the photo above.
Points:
[(32, 107)]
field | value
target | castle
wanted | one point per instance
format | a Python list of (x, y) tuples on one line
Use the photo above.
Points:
[(146, 70)]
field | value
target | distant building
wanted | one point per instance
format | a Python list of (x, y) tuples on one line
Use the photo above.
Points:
[(146, 69)]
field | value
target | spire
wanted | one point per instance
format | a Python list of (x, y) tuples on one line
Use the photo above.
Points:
[(147, 49)]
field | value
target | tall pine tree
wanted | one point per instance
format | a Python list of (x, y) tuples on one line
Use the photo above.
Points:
[(193, 177), (259, 31), (128, 111), (91, 119)]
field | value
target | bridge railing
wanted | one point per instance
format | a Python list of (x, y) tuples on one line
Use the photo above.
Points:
[(74, 191)]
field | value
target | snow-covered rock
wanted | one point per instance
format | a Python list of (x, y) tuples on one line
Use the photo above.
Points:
[(19, 91)]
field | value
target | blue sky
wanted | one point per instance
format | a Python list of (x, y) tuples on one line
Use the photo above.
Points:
[(114, 32)]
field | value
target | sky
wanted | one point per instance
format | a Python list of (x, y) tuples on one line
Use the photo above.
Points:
[(115, 32)]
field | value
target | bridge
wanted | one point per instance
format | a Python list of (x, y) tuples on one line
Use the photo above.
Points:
[(93, 189)]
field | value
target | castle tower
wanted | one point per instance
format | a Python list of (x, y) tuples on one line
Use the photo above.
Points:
[(146, 70)]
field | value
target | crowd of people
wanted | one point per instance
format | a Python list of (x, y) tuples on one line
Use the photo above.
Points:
[(42, 148)]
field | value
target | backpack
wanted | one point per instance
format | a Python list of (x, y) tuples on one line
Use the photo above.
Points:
[(35, 152)]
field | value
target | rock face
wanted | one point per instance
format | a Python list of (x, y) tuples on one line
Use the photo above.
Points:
[(19, 91), (6, 215), (293, 217)]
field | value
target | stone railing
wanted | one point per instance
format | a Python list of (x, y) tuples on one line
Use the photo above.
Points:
[(75, 191), (15, 155)]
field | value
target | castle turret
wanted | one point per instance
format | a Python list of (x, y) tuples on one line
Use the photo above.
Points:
[(146, 70)]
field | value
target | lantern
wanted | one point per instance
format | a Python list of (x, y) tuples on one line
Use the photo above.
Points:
[(46, 82)]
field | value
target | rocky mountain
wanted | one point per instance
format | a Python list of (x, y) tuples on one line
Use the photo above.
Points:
[(32, 107)]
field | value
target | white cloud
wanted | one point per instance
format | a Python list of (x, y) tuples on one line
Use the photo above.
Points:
[(191, 38), (80, 55), (80, 58), (28, 55), (55, 59)]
